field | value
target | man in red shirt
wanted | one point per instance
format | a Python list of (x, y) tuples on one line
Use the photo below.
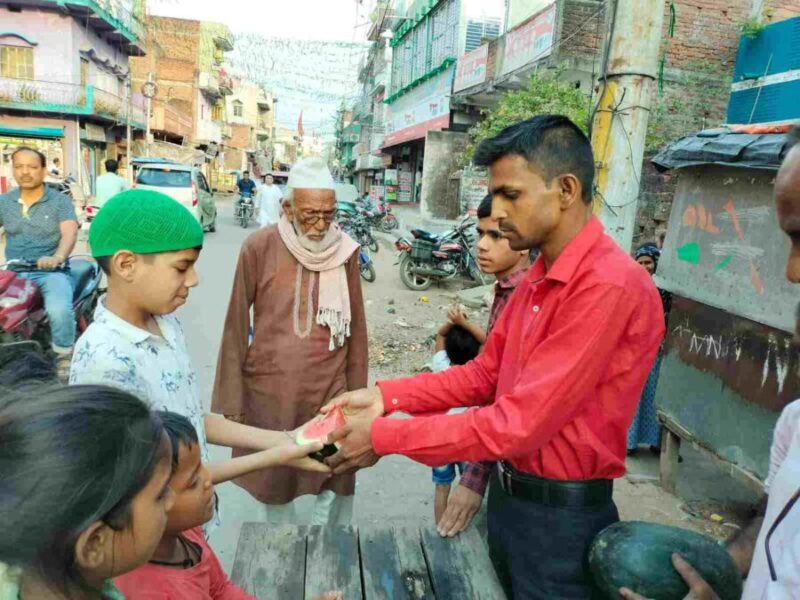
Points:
[(557, 383)]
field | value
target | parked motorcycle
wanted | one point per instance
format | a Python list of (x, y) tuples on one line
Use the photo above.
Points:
[(365, 266), (383, 219), (358, 228), (23, 319), (245, 210), (428, 257)]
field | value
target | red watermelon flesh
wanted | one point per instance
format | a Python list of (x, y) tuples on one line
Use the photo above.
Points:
[(318, 429)]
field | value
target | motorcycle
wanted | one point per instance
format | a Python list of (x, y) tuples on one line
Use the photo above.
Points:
[(365, 266), (23, 320), (358, 228), (428, 257), (245, 210), (383, 219)]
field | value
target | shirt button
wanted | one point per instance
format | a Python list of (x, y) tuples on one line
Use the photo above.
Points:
[(536, 308), (394, 401)]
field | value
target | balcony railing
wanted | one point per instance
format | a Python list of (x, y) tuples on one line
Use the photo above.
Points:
[(68, 98), (209, 83)]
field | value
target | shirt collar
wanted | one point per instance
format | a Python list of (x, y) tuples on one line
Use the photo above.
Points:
[(567, 263), (127, 330), (513, 280)]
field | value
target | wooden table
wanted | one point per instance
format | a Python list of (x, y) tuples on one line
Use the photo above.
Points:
[(373, 563)]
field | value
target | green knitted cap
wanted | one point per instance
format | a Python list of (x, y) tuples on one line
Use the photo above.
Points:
[(144, 222)]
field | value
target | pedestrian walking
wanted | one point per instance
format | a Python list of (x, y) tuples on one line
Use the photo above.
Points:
[(269, 202), (557, 383), (302, 283), (108, 185)]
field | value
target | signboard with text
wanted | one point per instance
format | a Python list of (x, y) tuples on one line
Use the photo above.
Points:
[(530, 42), (471, 69), (424, 108), (474, 187)]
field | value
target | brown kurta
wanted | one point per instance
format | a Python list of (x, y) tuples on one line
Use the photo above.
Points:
[(281, 380)]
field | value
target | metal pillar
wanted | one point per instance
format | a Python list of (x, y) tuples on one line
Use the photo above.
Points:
[(620, 121), (129, 135)]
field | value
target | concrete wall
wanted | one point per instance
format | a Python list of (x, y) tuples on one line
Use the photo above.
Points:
[(59, 40), (440, 195)]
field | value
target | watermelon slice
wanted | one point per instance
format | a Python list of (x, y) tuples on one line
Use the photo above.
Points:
[(318, 429)]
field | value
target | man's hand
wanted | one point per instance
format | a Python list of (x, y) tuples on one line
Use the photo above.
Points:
[(361, 408), (49, 263), (698, 588), (462, 506), (356, 401)]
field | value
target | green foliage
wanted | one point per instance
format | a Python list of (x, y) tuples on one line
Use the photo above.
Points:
[(752, 27), (545, 94)]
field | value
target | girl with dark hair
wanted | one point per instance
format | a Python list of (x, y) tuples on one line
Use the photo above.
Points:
[(84, 493), (645, 428)]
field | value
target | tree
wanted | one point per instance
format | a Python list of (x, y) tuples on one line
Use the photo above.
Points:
[(545, 94)]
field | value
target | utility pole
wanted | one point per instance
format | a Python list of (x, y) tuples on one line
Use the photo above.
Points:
[(619, 124), (128, 134), (148, 108)]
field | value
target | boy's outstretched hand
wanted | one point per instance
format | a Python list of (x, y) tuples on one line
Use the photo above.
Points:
[(296, 456)]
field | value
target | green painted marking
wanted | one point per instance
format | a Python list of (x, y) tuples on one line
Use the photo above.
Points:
[(723, 263), (690, 253)]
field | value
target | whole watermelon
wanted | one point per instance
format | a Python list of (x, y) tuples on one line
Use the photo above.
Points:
[(638, 556)]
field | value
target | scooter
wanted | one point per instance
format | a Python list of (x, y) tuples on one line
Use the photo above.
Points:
[(365, 266), (23, 319)]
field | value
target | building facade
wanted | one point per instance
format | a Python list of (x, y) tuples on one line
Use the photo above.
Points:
[(64, 82)]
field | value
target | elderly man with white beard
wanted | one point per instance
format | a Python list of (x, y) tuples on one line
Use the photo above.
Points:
[(301, 280)]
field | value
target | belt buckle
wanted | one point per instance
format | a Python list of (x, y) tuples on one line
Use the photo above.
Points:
[(505, 479)]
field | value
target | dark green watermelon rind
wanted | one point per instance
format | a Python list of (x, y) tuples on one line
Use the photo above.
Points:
[(637, 555)]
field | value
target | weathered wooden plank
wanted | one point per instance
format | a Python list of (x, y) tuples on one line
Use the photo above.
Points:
[(270, 561), (668, 464), (393, 564), (460, 568), (332, 562)]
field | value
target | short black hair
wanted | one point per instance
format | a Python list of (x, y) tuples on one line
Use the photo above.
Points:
[(180, 431), (42, 157), (112, 165), (460, 345), (552, 144), (245, 172), (56, 160), (485, 207)]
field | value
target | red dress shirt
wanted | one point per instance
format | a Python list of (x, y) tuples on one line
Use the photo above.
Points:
[(558, 381)]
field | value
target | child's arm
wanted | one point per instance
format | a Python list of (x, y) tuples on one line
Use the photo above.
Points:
[(289, 454), (457, 317), (224, 432)]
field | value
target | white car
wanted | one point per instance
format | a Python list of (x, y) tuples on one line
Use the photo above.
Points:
[(185, 184)]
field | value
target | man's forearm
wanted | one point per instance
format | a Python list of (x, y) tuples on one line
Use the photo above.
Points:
[(224, 432), (67, 244)]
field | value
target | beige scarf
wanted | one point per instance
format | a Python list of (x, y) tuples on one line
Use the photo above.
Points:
[(334, 295)]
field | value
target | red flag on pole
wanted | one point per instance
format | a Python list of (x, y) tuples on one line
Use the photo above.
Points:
[(300, 131)]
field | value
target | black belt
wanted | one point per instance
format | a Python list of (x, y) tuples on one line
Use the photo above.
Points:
[(549, 492)]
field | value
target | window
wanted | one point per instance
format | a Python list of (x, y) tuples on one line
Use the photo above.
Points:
[(203, 183), (16, 62), (164, 178), (84, 72), (238, 108), (216, 112)]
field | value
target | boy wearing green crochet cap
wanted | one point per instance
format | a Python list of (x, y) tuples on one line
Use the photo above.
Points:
[(148, 244)]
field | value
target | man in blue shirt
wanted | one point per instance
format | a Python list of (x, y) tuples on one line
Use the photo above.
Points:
[(41, 228), (246, 187)]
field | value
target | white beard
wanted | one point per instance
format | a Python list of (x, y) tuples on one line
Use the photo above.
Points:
[(331, 237)]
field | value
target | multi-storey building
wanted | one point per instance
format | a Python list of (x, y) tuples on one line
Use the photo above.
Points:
[(64, 82), (185, 61)]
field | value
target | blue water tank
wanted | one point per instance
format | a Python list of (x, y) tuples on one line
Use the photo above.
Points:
[(766, 78)]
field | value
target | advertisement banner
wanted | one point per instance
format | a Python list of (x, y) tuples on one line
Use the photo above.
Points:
[(424, 108), (471, 69), (406, 186), (530, 42), (474, 187)]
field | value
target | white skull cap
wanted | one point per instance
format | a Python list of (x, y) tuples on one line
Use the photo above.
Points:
[(310, 173)]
